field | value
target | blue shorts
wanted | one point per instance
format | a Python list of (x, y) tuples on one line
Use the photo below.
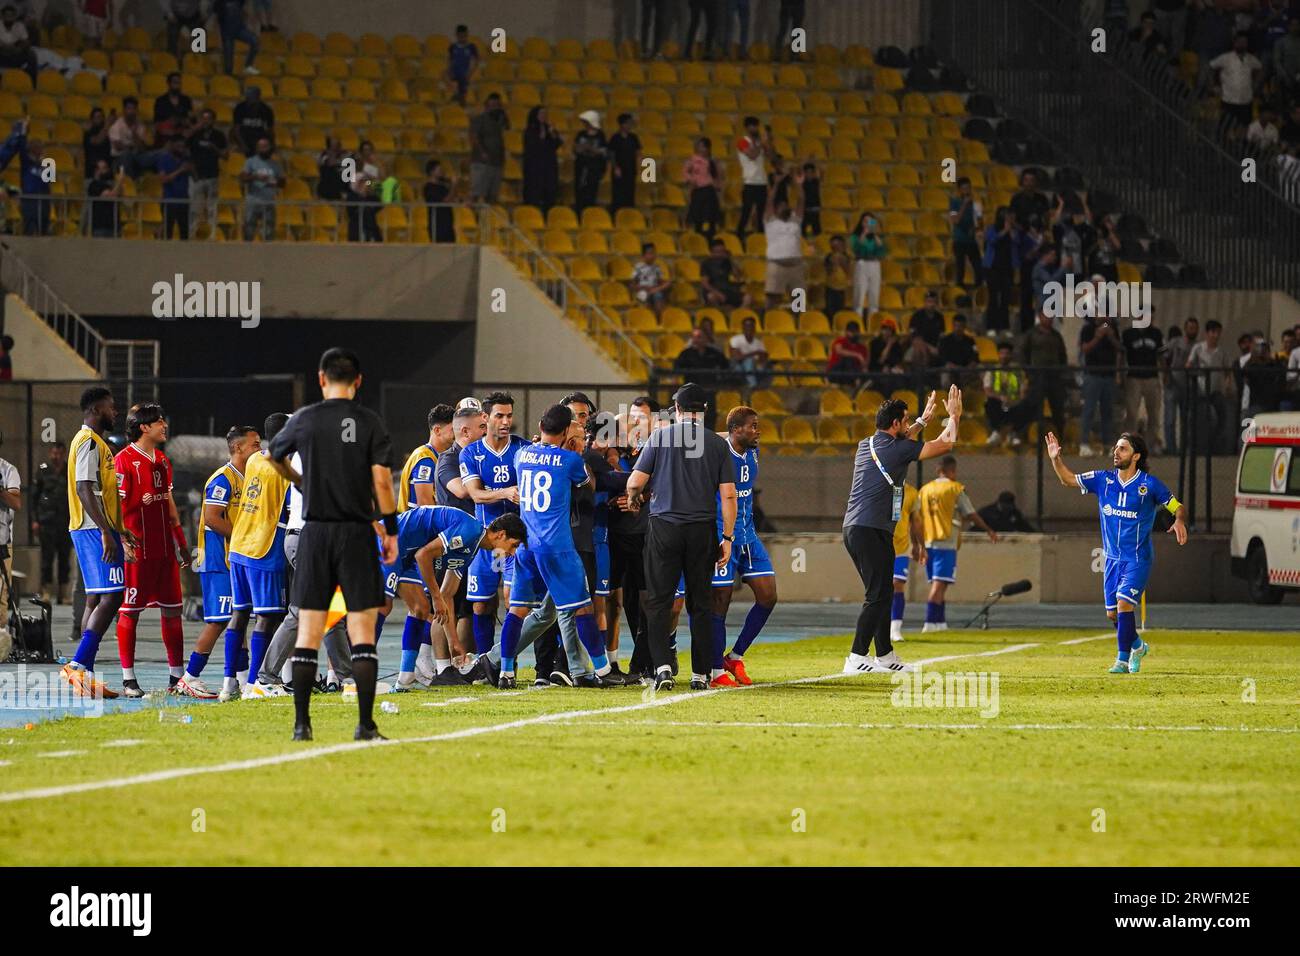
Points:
[(484, 577), (96, 576), (747, 561), (681, 587), (602, 569), (402, 571), (257, 590), (901, 563), (217, 599), (1124, 579), (941, 564), (559, 573)]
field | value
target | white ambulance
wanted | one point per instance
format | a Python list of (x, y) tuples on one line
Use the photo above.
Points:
[(1266, 516)]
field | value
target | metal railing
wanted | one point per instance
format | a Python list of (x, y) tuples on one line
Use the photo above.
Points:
[(1130, 134), (17, 277)]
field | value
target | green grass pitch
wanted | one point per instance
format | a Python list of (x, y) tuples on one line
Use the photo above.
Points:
[(1191, 762)]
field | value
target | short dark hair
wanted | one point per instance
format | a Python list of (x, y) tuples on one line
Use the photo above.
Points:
[(93, 396), (461, 28), (556, 420), (340, 364), (716, 242), (274, 422), (170, 75), (236, 433), (130, 101), (492, 96), (497, 398), (852, 326), (141, 414), (708, 143), (572, 397), (646, 247), (739, 416), (947, 463), (624, 118), (647, 401), (891, 410), (441, 414), (750, 121), (1139, 445), (1214, 325), (963, 181), (7, 343), (512, 525), (466, 413), (431, 165)]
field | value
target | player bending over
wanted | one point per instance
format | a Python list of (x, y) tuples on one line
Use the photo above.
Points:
[(1127, 498)]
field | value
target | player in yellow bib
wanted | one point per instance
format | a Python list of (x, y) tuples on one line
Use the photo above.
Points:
[(909, 546), (945, 510)]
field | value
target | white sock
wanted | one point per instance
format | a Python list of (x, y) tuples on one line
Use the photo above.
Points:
[(331, 677), (128, 673), (190, 678), (175, 671), (405, 678), (286, 672), (612, 655), (733, 656), (424, 654), (716, 672), (440, 665), (242, 677)]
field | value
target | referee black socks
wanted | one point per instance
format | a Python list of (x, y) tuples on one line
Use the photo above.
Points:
[(365, 671), (304, 678)]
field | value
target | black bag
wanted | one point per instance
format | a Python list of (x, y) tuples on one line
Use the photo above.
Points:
[(33, 635)]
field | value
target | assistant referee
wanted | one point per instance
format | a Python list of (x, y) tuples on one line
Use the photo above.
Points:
[(875, 504), (345, 483), (692, 473)]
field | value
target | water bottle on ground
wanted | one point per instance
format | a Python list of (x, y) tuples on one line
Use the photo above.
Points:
[(169, 716), (388, 707)]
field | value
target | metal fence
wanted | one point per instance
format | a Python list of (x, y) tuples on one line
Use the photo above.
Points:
[(1123, 121), (17, 277)]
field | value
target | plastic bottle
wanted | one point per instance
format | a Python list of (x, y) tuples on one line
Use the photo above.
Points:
[(388, 707), (170, 716)]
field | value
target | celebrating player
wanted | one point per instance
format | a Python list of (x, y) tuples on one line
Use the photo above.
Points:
[(153, 579), (909, 545), (1127, 498), (221, 494), (945, 507), (95, 520)]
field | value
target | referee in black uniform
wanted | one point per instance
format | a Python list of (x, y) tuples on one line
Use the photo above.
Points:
[(692, 469), (875, 505), (345, 483)]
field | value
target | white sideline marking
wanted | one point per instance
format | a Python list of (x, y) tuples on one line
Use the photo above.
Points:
[(157, 776), (5, 763), (984, 725), (62, 753), (1085, 640), (449, 701), (124, 742)]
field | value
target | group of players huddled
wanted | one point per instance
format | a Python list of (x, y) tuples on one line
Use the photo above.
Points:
[(488, 520)]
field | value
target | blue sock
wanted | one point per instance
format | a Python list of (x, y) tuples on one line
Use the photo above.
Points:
[(941, 609), (426, 630), (379, 625), (510, 631), (931, 612), (754, 621), (590, 638), (88, 649), (241, 658), (485, 626), (896, 608), (197, 663), (410, 643), (234, 640), (719, 640), (256, 651), (1126, 633)]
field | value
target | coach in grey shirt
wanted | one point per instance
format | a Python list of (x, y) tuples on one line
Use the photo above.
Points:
[(693, 475), (874, 508)]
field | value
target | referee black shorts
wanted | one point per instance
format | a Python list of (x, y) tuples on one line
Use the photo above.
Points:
[(337, 555)]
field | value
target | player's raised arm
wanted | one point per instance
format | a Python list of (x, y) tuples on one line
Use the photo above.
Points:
[(1066, 476), (947, 439)]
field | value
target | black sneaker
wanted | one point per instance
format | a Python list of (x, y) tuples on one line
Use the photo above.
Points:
[(131, 688), (615, 679), (333, 687), (368, 733), (302, 732), (591, 680), (486, 671), (699, 683), (506, 682), (320, 687), (172, 681), (540, 681), (561, 679), (663, 681), (672, 660), (450, 677)]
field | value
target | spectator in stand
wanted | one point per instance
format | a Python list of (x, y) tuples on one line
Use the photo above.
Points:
[(90, 17), (253, 119), (330, 184), (731, 10), (35, 204), (262, 13), (1265, 377), (1145, 35), (172, 112), (704, 365), (174, 168), (967, 218), (1209, 34), (812, 199), (1290, 131), (94, 141), (437, 193), (1028, 203), (1142, 348), (1178, 347), (1262, 133), (720, 281), (1237, 75), (230, 18), (705, 325), (208, 149), (926, 328), (1104, 259), (649, 284), (838, 275), (1006, 407), (16, 52), (6, 365), (1046, 269), (590, 156), (182, 18), (1287, 345), (658, 11), (703, 179), (1286, 61), (849, 359), (1003, 516), (103, 190), (1042, 352), (364, 197), (1099, 350), (1074, 236), (706, 9), (1288, 173), (625, 165), (541, 160), (1245, 347), (887, 359), (751, 150), (749, 354), (1030, 239), (783, 228), (487, 148), (263, 179), (957, 352), (1001, 263), (1293, 371), (129, 139), (789, 18), (868, 247), (462, 64), (1171, 19)]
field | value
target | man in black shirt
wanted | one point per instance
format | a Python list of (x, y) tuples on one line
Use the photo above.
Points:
[(1099, 351), (468, 425), (1003, 515), (1142, 349), (719, 277), (50, 523), (171, 112), (103, 191), (345, 484), (1028, 203), (208, 147), (253, 121), (627, 535), (703, 365), (625, 149), (926, 327), (957, 349), (94, 141)]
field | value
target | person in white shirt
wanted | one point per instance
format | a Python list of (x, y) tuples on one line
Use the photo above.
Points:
[(749, 354), (752, 151), (11, 500), (1237, 74), (1263, 133), (783, 227)]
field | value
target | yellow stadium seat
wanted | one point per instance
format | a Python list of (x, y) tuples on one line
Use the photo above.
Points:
[(832, 431), (630, 219), (640, 319), (778, 322), (557, 241), (810, 348), (797, 431), (675, 319), (614, 294), (592, 242), (767, 402), (834, 402)]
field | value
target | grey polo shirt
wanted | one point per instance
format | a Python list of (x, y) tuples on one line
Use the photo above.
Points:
[(688, 463), (871, 498)]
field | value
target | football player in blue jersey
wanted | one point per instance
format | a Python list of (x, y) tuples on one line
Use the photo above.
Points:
[(749, 562), (1128, 497), (487, 472)]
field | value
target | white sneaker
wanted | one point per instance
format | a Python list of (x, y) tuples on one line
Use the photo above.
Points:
[(994, 440), (857, 664), (252, 71), (891, 662), (895, 631), (230, 690), (929, 627), (256, 690), (1085, 451), (425, 670), (189, 686), (1016, 441)]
